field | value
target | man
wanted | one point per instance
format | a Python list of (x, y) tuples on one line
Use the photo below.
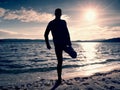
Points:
[(61, 39)]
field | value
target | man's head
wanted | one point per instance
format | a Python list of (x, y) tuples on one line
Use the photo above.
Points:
[(58, 13)]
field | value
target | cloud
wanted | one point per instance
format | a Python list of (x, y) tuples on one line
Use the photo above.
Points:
[(66, 17), (2, 12), (110, 20), (95, 32), (114, 29), (27, 15), (11, 34), (7, 34)]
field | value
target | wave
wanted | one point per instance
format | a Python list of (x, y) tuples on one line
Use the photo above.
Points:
[(112, 60), (107, 61), (17, 69), (32, 70), (15, 66), (37, 60), (6, 61)]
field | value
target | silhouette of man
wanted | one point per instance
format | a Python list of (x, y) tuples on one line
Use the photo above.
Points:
[(61, 39)]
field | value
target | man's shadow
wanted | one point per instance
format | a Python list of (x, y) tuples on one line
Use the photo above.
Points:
[(55, 86)]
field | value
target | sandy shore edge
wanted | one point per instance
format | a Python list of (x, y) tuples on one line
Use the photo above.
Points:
[(99, 81)]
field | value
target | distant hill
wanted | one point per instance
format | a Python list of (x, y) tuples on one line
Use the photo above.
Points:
[(21, 40), (41, 40), (104, 40), (112, 40)]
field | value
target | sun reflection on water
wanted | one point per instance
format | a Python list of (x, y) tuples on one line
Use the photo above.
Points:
[(89, 50)]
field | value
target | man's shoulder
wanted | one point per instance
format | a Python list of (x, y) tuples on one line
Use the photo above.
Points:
[(63, 20), (55, 21), (51, 22)]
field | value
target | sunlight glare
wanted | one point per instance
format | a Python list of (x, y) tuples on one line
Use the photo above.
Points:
[(90, 15), (89, 51)]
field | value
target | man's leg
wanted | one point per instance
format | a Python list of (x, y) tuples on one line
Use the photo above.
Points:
[(58, 52)]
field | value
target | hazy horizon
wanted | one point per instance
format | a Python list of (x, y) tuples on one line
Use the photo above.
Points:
[(94, 40)]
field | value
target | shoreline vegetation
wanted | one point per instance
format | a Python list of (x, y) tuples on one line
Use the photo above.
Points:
[(41, 40), (98, 81)]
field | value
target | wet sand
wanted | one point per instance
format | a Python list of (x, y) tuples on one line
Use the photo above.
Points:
[(99, 81)]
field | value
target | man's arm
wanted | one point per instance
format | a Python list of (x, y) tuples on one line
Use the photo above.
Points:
[(46, 37)]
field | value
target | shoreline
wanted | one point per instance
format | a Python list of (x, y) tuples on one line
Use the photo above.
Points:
[(90, 72), (99, 81)]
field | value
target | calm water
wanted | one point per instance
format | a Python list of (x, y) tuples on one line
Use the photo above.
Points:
[(31, 61)]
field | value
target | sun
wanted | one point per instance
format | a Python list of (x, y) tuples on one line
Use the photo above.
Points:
[(90, 15)]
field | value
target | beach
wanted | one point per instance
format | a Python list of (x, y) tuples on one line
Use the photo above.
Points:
[(59, 44), (99, 81), (30, 66)]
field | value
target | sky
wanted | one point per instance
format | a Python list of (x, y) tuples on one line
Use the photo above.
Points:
[(86, 19)]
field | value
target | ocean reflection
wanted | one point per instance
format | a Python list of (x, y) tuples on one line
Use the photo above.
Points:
[(89, 50), (97, 57), (89, 56)]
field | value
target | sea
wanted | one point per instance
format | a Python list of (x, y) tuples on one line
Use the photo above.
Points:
[(23, 62)]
